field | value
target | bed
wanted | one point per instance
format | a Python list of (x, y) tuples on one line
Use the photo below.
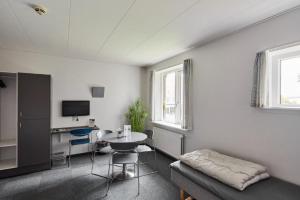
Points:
[(202, 187)]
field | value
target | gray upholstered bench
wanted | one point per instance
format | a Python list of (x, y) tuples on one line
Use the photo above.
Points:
[(203, 187)]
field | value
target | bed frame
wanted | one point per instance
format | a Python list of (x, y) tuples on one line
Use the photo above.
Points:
[(188, 187), (202, 187)]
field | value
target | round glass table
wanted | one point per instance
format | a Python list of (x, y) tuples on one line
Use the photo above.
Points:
[(126, 138)]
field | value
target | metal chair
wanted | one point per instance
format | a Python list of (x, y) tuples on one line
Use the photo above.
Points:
[(100, 146), (148, 146), (83, 136), (124, 154)]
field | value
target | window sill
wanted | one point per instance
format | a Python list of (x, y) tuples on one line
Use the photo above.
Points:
[(282, 108), (170, 127)]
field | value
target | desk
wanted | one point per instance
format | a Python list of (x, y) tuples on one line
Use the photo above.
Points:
[(63, 130), (68, 129), (59, 132)]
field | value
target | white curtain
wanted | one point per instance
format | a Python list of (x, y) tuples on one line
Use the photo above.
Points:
[(187, 94), (151, 93), (259, 97)]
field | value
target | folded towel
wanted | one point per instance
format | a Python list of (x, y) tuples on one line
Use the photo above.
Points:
[(234, 172)]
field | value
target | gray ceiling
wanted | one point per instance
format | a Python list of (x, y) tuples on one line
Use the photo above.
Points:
[(132, 32)]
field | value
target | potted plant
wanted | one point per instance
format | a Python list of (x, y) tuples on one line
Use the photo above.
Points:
[(137, 115)]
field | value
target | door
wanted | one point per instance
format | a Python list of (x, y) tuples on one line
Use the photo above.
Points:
[(34, 119)]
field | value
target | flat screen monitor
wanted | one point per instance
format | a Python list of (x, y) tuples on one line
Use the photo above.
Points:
[(75, 108)]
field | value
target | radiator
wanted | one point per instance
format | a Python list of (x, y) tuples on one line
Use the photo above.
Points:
[(169, 142)]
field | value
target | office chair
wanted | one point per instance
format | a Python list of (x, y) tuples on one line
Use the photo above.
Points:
[(83, 136)]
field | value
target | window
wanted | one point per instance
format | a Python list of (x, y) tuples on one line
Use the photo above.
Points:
[(283, 67), (172, 96), (168, 96)]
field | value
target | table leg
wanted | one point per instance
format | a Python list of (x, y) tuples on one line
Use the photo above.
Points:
[(125, 174), (124, 169)]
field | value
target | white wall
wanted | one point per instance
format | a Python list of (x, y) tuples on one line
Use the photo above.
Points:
[(72, 79), (223, 119)]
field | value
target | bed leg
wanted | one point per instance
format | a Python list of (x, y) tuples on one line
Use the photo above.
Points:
[(182, 195)]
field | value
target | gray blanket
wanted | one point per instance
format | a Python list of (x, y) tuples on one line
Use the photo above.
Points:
[(232, 171)]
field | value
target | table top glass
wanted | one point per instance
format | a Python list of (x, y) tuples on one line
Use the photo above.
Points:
[(130, 137)]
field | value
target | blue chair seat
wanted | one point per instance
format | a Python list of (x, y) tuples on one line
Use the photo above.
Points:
[(81, 132), (80, 141)]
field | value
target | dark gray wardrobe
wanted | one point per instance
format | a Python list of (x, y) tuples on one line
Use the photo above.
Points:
[(33, 124)]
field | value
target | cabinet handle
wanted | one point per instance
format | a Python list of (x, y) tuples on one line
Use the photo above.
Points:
[(21, 114), (20, 125)]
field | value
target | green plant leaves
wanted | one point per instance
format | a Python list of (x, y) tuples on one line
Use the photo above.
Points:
[(137, 115)]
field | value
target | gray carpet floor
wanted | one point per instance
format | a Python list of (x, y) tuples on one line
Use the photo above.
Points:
[(76, 182)]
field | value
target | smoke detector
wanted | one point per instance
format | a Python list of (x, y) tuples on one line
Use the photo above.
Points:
[(41, 10)]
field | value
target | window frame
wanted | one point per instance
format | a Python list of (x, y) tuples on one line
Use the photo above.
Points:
[(274, 60), (159, 96)]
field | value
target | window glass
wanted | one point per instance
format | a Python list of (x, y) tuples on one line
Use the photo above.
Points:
[(290, 81), (170, 97)]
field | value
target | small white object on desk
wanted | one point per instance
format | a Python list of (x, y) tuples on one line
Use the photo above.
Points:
[(91, 122), (127, 129), (120, 133)]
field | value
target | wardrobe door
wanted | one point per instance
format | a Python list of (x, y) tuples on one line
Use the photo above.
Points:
[(34, 119)]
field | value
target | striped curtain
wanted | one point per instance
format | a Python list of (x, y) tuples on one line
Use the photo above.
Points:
[(187, 95), (259, 96)]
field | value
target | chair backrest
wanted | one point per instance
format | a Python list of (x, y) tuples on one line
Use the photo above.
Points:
[(106, 131), (149, 141), (130, 146), (102, 133), (149, 133), (81, 132)]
